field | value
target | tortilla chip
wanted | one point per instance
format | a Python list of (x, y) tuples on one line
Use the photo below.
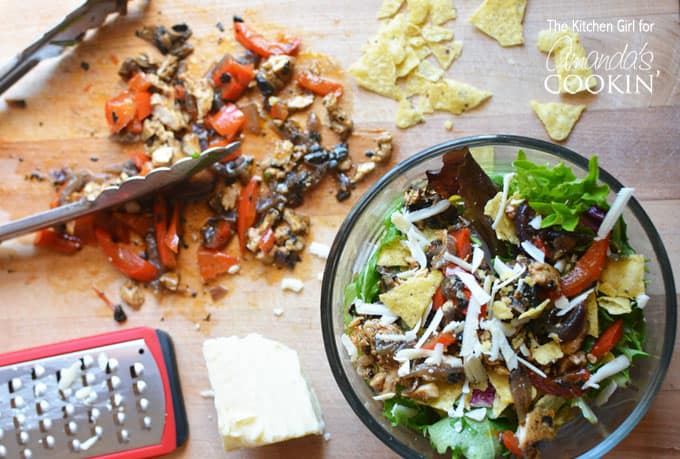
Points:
[(615, 305), (592, 316), (501, 20), (455, 97), (416, 84), (393, 254), (448, 394), (505, 230), (558, 118), (416, 42), (535, 312), (441, 11), (375, 71), (410, 299), (503, 396), (406, 115), (446, 53), (547, 353), (571, 62), (389, 8), (435, 34), (502, 311), (392, 35), (448, 125), (521, 7), (423, 105), (409, 63), (418, 11), (624, 277), (429, 71)]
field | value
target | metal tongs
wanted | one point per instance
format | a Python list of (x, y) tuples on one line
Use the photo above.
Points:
[(69, 32), (130, 189)]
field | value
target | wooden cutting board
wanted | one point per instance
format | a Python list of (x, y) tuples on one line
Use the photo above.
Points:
[(48, 297)]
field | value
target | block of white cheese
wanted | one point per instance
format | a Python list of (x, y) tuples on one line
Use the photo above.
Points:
[(261, 395)]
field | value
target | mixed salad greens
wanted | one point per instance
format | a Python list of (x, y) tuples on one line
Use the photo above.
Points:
[(494, 310)]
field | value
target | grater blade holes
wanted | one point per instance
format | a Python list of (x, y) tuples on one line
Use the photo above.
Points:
[(17, 402), (141, 351), (45, 425), (123, 436), (19, 420), (49, 442)]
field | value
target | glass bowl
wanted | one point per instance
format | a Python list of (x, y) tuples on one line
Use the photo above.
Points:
[(356, 241)]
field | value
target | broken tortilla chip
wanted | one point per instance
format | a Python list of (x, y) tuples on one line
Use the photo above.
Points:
[(375, 71), (446, 53), (434, 34), (418, 10), (441, 11), (571, 62), (389, 8), (430, 71), (454, 96), (406, 115), (410, 62), (558, 118), (501, 20)]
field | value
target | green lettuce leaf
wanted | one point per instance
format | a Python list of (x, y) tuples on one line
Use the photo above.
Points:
[(476, 440), (556, 193), (402, 411)]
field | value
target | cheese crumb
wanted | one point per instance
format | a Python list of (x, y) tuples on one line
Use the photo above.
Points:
[(278, 312), (319, 250), (448, 125), (292, 284)]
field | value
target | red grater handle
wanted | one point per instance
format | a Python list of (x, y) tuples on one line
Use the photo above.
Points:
[(160, 346)]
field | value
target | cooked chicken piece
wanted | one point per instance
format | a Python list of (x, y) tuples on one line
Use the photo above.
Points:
[(168, 41), (538, 425), (168, 68), (274, 74), (299, 102), (202, 92), (191, 144), (255, 233), (140, 63), (424, 392), (363, 169), (340, 122), (384, 150), (165, 111), (132, 294), (299, 224), (156, 135), (543, 274), (230, 196)]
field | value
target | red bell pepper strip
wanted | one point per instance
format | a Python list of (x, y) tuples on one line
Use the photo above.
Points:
[(279, 111), (267, 240), (139, 82), (120, 110), (126, 258), (228, 121), (438, 299), (223, 230), (445, 339), (608, 339), (138, 223), (318, 85), (247, 212), (160, 219), (232, 77), (463, 245), (212, 263), (259, 45), (511, 442), (140, 159), (172, 235), (587, 270), (60, 242), (83, 229), (143, 103)]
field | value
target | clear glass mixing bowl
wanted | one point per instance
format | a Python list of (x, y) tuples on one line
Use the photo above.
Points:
[(362, 228)]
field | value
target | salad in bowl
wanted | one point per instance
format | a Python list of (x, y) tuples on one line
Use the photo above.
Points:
[(495, 309)]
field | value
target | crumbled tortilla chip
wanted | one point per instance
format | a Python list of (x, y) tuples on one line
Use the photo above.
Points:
[(416, 42), (502, 311), (571, 62), (448, 394), (521, 7), (441, 11), (503, 396), (455, 97), (448, 125), (429, 71), (406, 115), (393, 254), (391, 35), (615, 305), (412, 30), (501, 20), (535, 312), (547, 353), (409, 63), (435, 34), (592, 315), (505, 230), (558, 118), (446, 53), (410, 299), (375, 71), (416, 84), (624, 277), (389, 8), (418, 10), (423, 105)]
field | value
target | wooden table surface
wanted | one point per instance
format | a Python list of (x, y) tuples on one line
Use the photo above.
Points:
[(47, 297)]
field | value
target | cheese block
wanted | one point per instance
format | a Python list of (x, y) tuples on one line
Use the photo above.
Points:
[(261, 395)]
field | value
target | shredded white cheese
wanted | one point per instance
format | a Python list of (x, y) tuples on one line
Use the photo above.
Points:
[(404, 368), (371, 309), (404, 355), (417, 252), (453, 327), (560, 265), (349, 346), (68, 375), (477, 258), (395, 337), (437, 355), (605, 393), (562, 302), (292, 284), (475, 289), (574, 302), (459, 261), (427, 212), (504, 271), (319, 250), (208, 393), (499, 343), (470, 338), (504, 199), (617, 365), (532, 367), (87, 444), (533, 251), (384, 396), (278, 312), (614, 212), (535, 222), (477, 414), (642, 300), (434, 324)]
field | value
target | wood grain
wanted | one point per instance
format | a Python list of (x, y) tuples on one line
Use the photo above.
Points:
[(46, 297)]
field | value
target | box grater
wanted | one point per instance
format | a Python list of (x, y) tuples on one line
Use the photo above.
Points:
[(112, 396)]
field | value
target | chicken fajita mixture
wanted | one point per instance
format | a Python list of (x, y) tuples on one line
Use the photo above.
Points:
[(495, 309)]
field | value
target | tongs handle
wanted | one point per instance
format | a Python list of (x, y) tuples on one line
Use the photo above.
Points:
[(45, 219)]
